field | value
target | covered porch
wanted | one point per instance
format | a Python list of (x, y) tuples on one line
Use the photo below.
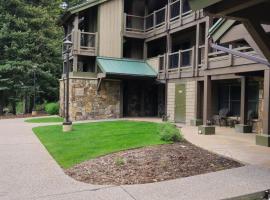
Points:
[(141, 95), (240, 102)]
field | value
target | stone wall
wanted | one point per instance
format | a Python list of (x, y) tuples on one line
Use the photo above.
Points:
[(86, 103)]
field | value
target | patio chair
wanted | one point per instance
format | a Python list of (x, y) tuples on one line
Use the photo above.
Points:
[(221, 117), (250, 117)]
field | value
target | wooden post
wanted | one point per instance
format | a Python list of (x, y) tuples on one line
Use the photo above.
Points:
[(206, 51), (179, 63), (266, 98), (243, 108), (230, 56), (197, 49), (125, 22), (145, 50), (259, 35), (207, 110), (154, 20), (181, 12)]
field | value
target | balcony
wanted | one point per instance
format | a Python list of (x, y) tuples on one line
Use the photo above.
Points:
[(220, 59), (176, 14), (84, 43), (181, 64), (181, 14), (141, 26)]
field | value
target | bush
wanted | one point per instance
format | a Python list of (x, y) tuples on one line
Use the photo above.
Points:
[(52, 108), (169, 133), (40, 107), (19, 108)]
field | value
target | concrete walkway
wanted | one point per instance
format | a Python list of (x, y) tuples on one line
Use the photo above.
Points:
[(228, 142), (27, 172)]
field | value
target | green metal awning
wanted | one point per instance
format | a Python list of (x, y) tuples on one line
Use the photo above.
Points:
[(125, 67)]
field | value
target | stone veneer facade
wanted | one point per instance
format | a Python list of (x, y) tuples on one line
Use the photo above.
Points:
[(86, 103)]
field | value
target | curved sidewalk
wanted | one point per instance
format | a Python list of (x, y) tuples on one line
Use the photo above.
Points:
[(27, 172)]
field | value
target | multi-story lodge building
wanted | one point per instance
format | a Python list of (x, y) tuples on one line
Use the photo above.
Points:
[(140, 58)]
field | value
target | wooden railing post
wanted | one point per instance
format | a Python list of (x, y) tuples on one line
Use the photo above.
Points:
[(96, 43), (167, 66), (154, 20), (179, 63), (230, 56), (193, 61), (125, 21), (181, 12)]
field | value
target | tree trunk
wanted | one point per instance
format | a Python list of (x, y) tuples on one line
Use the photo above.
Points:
[(1, 103), (13, 108)]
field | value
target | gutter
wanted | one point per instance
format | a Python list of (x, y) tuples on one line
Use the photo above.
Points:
[(238, 53)]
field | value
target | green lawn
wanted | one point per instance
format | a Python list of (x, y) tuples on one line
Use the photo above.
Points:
[(91, 140), (45, 120)]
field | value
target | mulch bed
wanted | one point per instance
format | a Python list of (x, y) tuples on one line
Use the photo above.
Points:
[(150, 164), (22, 116)]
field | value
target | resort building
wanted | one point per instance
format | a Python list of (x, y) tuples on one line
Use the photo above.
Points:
[(148, 58)]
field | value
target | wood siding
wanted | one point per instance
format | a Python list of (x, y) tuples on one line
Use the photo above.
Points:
[(171, 101), (110, 28), (190, 101), (154, 63)]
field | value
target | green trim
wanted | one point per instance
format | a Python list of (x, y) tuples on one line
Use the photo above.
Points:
[(125, 67), (216, 25), (220, 28)]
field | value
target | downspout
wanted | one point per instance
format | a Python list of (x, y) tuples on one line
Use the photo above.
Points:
[(238, 53)]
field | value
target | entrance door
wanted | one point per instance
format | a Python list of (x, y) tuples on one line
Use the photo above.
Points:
[(180, 103)]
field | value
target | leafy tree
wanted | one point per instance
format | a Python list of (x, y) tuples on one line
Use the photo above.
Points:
[(29, 36)]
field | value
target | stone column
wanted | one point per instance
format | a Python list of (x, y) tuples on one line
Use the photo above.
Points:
[(243, 127), (264, 139)]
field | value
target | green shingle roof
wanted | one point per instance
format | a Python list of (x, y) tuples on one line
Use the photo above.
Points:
[(126, 67)]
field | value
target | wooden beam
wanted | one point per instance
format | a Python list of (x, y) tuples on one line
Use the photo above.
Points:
[(207, 110), (243, 107), (260, 37), (225, 8), (266, 107)]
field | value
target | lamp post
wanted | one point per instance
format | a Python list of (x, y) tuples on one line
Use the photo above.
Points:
[(34, 111), (67, 125)]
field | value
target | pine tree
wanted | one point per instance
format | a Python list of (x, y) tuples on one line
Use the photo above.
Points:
[(29, 36)]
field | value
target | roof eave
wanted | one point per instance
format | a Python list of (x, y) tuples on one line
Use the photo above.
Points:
[(75, 9)]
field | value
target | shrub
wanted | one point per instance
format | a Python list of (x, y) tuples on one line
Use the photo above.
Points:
[(169, 133), (19, 108), (52, 108), (119, 161), (40, 107)]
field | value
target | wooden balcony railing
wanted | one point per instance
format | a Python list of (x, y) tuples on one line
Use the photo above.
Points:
[(219, 59), (179, 9), (177, 63), (84, 43), (143, 24), (176, 12)]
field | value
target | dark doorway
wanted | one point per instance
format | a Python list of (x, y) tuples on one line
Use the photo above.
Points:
[(140, 99)]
